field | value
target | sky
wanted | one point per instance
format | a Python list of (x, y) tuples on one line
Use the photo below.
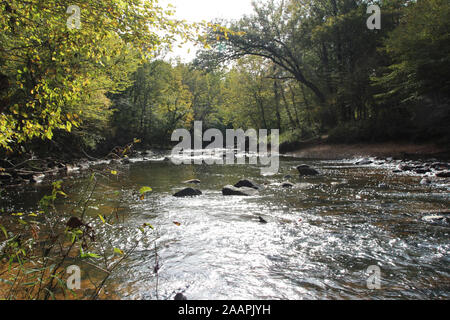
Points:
[(198, 10)]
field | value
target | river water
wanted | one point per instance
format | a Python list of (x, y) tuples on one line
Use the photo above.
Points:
[(320, 239)]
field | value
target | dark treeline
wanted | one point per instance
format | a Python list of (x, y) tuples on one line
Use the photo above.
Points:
[(310, 68)]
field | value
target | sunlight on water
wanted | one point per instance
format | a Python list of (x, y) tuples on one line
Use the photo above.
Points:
[(320, 238)]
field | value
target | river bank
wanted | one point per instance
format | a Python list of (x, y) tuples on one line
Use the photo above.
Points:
[(404, 151)]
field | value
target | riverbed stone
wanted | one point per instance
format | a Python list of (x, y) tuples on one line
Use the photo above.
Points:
[(188, 192), (242, 191), (305, 170), (248, 184)]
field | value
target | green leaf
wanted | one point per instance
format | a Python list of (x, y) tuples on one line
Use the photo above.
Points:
[(4, 231), (145, 190), (89, 255), (147, 225), (118, 251)]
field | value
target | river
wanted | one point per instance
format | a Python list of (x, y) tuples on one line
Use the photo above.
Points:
[(321, 237)]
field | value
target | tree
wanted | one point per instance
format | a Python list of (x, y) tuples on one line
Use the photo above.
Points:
[(54, 77)]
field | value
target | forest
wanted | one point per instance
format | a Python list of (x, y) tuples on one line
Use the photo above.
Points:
[(309, 68)]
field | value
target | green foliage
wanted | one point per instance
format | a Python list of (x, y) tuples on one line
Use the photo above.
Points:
[(55, 78)]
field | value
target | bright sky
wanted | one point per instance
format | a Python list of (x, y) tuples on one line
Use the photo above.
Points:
[(198, 10)]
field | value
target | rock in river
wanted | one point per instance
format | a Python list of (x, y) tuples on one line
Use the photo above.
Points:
[(287, 184), (234, 191), (305, 170), (436, 219), (443, 174), (193, 181), (247, 184), (364, 162), (188, 192)]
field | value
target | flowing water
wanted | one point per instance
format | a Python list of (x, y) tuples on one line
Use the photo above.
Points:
[(320, 239)]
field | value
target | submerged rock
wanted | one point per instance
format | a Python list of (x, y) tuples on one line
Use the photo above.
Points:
[(242, 191), (436, 219), (443, 174), (425, 181), (287, 184), (188, 192), (193, 181), (364, 162), (248, 184), (422, 171), (305, 170)]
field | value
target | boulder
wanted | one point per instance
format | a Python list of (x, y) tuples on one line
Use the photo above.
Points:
[(305, 170), (180, 297), (247, 184), (188, 192), (234, 191)]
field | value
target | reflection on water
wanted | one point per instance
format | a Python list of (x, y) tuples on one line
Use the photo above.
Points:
[(320, 238)]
